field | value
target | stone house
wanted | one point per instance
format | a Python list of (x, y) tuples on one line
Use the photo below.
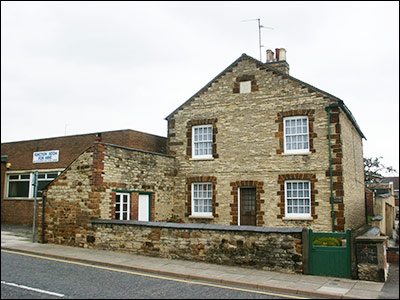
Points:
[(255, 146), (18, 165)]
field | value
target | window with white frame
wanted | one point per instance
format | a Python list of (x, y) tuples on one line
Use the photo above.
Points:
[(43, 180), (202, 141), (296, 137), (122, 206), (202, 199), (297, 198), (21, 185)]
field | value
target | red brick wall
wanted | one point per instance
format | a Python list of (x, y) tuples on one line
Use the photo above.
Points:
[(20, 155), (369, 198), (18, 212)]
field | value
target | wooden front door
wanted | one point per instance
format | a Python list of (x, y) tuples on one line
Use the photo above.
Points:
[(248, 206)]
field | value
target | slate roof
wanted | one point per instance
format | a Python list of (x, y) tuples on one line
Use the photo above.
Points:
[(395, 181)]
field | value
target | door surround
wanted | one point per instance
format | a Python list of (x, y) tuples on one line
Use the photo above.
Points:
[(235, 209)]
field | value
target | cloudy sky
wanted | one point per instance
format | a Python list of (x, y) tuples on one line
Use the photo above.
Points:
[(81, 67)]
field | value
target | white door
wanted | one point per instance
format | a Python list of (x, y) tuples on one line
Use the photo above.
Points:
[(144, 207)]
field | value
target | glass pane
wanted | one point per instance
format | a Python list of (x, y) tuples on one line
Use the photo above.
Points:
[(13, 177), (25, 176), (125, 216), (18, 189), (52, 175), (117, 215), (41, 176), (117, 207)]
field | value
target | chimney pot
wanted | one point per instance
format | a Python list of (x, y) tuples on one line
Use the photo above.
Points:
[(270, 56), (277, 54), (282, 54)]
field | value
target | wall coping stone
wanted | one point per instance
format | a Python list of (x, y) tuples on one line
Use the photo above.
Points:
[(137, 150), (201, 226), (374, 239)]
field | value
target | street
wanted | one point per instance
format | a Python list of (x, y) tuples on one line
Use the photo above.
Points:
[(32, 277)]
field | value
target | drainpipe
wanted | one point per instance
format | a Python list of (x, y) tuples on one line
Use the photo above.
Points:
[(328, 110)]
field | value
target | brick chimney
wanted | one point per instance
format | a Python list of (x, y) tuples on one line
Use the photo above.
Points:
[(279, 62), (98, 137)]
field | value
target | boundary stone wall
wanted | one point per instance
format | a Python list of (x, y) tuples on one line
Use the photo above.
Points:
[(278, 249)]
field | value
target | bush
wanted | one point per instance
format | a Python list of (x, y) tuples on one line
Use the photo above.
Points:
[(327, 241), (175, 219)]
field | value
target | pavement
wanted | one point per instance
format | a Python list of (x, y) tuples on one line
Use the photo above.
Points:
[(19, 238)]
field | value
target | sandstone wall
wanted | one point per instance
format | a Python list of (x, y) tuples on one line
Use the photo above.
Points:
[(86, 191), (248, 134), (261, 248), (353, 174)]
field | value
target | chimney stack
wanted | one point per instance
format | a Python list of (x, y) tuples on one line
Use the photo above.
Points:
[(98, 137), (279, 62)]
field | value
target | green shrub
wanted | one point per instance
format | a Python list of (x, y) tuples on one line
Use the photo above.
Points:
[(327, 241)]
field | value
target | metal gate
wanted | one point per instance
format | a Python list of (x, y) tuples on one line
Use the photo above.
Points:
[(330, 260)]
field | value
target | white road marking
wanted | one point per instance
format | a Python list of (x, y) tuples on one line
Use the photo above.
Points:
[(32, 289), (155, 276)]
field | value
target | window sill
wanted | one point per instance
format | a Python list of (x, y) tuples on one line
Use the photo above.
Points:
[(299, 153), (200, 217), (202, 158), (23, 199), (298, 218)]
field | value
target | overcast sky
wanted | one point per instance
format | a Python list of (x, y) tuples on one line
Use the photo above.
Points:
[(81, 67)]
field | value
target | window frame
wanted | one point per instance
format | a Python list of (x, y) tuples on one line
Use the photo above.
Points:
[(31, 189), (29, 180), (285, 135), (298, 215), (208, 141), (208, 198), (121, 211), (46, 179)]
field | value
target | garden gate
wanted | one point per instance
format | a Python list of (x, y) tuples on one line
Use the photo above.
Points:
[(330, 260)]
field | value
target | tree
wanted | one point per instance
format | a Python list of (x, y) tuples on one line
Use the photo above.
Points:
[(373, 169)]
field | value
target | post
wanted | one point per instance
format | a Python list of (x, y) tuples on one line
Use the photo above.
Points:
[(35, 184)]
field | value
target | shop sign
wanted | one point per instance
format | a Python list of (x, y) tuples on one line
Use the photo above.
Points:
[(46, 156)]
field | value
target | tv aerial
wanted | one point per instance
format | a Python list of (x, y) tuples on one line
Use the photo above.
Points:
[(259, 32)]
